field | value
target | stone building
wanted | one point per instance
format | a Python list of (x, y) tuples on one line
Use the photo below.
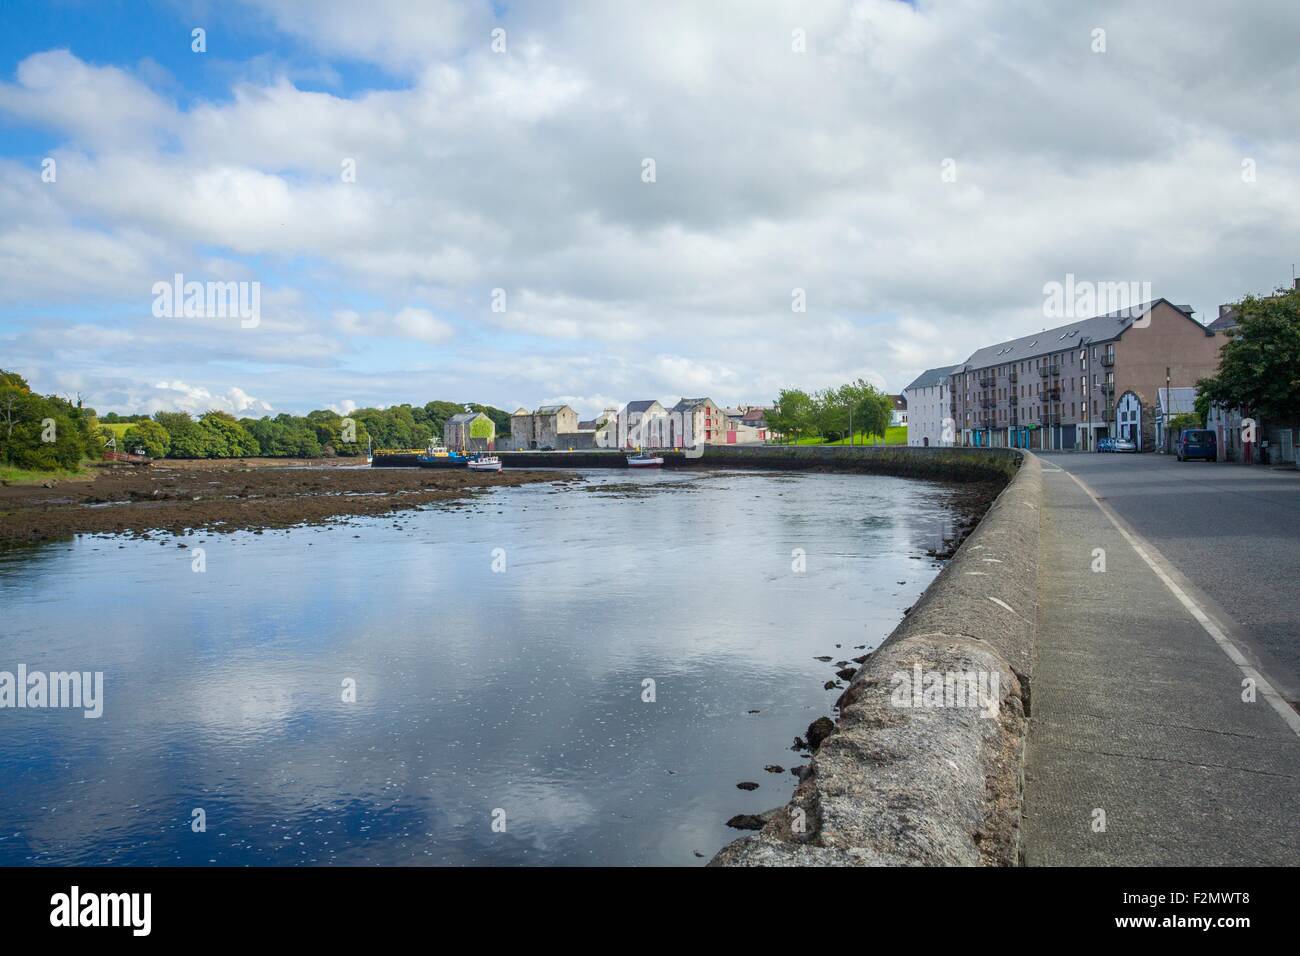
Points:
[(545, 428), (469, 431)]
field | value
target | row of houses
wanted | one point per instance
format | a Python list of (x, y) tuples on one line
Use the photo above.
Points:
[(1124, 374), (639, 424)]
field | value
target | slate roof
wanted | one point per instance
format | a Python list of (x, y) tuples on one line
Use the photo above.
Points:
[(931, 376), (640, 406), (686, 404), (1099, 328)]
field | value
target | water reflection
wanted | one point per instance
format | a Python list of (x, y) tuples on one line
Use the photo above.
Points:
[(518, 690)]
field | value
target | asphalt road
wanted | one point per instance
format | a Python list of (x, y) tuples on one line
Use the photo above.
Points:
[(1231, 531)]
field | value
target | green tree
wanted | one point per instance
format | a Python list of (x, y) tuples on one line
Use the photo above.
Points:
[(872, 408), (147, 436), (44, 432), (792, 414), (1259, 367), (224, 437), (184, 437)]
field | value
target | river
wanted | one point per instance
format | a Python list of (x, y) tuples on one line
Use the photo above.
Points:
[(542, 676)]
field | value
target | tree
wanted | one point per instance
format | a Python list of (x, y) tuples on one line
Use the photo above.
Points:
[(792, 414), (224, 437), (1259, 367), (43, 432), (147, 436), (872, 409)]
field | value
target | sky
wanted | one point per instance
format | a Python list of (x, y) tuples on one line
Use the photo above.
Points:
[(592, 203)]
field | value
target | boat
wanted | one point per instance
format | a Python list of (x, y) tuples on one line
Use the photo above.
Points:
[(643, 459), (439, 457), (485, 463)]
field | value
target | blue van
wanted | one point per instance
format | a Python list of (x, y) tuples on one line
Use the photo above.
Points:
[(1198, 443)]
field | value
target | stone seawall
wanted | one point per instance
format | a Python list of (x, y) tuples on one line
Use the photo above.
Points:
[(910, 777), (944, 464)]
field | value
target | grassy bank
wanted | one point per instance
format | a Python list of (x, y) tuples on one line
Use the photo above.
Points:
[(23, 476), (894, 435)]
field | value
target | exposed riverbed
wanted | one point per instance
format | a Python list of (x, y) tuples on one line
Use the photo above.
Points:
[(500, 652)]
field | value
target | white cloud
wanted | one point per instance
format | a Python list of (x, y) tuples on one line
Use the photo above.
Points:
[(775, 170), (179, 396)]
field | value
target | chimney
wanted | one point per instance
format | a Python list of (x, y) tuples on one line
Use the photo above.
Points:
[(1224, 308)]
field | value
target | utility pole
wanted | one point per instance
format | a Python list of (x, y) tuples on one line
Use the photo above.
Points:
[(1169, 402)]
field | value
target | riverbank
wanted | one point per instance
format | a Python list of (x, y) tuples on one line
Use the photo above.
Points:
[(911, 775), (231, 495)]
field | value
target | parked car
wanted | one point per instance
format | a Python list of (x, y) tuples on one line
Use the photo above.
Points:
[(1105, 444), (1123, 444), (1199, 443)]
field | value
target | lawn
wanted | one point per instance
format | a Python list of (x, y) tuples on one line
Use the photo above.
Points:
[(118, 428), (10, 475), (894, 435)]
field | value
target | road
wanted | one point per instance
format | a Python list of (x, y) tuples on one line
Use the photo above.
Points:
[(1157, 734), (1231, 531)]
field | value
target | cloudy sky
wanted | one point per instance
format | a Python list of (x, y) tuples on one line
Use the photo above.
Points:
[(919, 170)]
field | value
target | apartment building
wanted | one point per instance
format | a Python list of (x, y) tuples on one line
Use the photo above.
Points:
[(1069, 386)]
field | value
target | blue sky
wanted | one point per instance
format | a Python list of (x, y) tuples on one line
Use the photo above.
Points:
[(795, 147)]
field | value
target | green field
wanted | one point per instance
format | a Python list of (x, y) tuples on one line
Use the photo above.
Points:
[(117, 428), (22, 476), (894, 435)]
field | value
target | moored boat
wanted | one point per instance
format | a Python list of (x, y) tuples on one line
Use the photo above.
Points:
[(643, 459), (485, 463), (440, 457)]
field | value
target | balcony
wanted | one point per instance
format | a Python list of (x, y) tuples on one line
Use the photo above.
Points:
[(1108, 361), (1050, 418), (1108, 414), (1013, 378), (1053, 394), (986, 381), (987, 402), (1014, 400)]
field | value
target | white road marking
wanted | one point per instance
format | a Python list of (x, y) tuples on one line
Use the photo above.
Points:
[(1003, 604), (1142, 548)]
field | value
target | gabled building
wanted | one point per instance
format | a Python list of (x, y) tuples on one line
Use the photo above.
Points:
[(543, 428), (927, 408), (697, 421), (469, 431), (1068, 386), (644, 424)]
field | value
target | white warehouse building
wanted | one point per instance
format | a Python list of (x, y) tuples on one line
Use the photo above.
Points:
[(927, 408)]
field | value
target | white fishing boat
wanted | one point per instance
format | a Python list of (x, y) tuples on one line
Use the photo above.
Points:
[(485, 463), (643, 459)]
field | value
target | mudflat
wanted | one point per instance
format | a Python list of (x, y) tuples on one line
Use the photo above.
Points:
[(246, 494)]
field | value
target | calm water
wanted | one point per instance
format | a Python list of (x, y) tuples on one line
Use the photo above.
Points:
[(476, 691)]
